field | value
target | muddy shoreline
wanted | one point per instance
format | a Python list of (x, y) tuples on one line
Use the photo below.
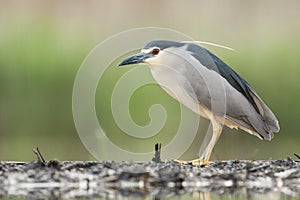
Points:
[(75, 179)]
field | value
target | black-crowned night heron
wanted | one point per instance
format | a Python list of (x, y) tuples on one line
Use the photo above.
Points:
[(191, 73)]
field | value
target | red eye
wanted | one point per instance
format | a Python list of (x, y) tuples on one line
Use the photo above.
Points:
[(155, 51)]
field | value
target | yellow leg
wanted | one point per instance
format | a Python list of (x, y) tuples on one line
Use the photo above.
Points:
[(204, 158), (217, 130)]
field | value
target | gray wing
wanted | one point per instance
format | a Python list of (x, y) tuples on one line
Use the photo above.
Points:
[(261, 119), (212, 62)]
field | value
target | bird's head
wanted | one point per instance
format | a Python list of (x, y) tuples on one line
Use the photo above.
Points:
[(151, 52)]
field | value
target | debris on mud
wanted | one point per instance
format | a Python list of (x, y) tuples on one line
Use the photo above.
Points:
[(41, 179)]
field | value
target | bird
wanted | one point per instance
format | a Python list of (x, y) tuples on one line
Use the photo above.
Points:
[(205, 84)]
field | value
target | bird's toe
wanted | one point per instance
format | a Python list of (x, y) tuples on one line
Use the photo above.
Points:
[(196, 162)]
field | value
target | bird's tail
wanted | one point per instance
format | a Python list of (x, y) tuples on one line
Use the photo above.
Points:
[(262, 123), (265, 112)]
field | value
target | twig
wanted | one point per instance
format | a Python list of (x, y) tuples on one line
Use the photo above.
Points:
[(39, 156), (156, 157), (297, 156)]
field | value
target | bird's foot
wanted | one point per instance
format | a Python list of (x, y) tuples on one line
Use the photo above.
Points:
[(196, 162)]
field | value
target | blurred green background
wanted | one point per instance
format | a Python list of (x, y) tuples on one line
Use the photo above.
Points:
[(43, 43)]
